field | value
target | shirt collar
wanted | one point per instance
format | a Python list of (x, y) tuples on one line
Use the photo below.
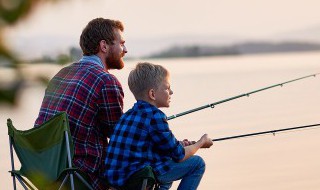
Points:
[(141, 104), (144, 103), (92, 59)]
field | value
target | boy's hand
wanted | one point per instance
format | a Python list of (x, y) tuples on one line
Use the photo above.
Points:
[(186, 142), (206, 141)]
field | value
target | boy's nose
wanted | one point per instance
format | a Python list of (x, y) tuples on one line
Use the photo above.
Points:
[(125, 49)]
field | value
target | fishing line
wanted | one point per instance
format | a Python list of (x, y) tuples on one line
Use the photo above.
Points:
[(212, 105), (291, 129)]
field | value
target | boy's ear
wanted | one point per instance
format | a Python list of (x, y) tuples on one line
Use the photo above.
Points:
[(104, 47), (151, 94)]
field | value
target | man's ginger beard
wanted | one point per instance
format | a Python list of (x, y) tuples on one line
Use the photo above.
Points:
[(114, 61)]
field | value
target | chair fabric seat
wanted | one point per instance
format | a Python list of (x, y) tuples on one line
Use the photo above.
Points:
[(44, 152)]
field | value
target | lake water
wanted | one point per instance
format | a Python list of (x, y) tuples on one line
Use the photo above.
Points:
[(281, 162)]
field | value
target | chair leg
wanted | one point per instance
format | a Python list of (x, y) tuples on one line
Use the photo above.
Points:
[(71, 181), (83, 180), (69, 158), (64, 181), (26, 183), (14, 182), (12, 165), (144, 184), (23, 183)]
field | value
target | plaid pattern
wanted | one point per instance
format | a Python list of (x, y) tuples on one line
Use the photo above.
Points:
[(142, 137), (93, 100)]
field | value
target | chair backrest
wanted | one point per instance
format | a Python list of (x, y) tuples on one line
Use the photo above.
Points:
[(136, 180), (42, 151)]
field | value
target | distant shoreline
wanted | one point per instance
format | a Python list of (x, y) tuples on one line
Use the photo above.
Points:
[(197, 50), (236, 49)]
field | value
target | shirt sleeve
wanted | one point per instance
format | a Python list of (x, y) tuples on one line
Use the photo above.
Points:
[(110, 105), (164, 139)]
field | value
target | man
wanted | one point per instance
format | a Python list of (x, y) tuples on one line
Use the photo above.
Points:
[(91, 96)]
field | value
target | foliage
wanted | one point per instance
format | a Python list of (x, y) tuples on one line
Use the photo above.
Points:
[(12, 12)]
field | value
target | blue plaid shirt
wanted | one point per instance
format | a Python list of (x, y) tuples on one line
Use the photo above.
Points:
[(141, 137)]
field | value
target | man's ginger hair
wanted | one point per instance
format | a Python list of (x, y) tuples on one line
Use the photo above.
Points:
[(96, 30)]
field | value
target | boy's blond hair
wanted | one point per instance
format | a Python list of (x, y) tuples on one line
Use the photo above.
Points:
[(146, 76)]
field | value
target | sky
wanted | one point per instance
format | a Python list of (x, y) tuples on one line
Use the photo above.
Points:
[(59, 24)]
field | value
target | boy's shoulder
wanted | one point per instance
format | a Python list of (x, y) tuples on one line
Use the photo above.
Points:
[(146, 107), (145, 110)]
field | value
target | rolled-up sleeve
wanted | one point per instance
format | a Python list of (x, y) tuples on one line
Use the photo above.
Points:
[(163, 138)]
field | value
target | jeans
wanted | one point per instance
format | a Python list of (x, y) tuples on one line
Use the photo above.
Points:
[(189, 171)]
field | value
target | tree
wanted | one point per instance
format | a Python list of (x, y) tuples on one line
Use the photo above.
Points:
[(12, 12)]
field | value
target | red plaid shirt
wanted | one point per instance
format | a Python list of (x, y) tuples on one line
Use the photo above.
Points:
[(93, 100)]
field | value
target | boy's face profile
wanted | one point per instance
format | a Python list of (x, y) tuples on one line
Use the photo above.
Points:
[(163, 94)]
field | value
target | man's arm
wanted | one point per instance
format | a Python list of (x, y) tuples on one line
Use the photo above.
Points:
[(111, 106)]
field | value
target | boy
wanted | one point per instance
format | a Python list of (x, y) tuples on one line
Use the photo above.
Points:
[(142, 136)]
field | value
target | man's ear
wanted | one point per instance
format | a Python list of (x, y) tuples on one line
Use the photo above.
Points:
[(151, 94), (104, 47)]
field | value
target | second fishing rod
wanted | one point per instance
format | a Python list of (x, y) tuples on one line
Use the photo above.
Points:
[(212, 105)]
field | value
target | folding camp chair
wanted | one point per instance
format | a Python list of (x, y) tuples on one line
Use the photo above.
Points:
[(45, 154)]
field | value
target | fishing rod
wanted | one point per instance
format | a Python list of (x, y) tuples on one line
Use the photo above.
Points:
[(212, 105), (266, 132)]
